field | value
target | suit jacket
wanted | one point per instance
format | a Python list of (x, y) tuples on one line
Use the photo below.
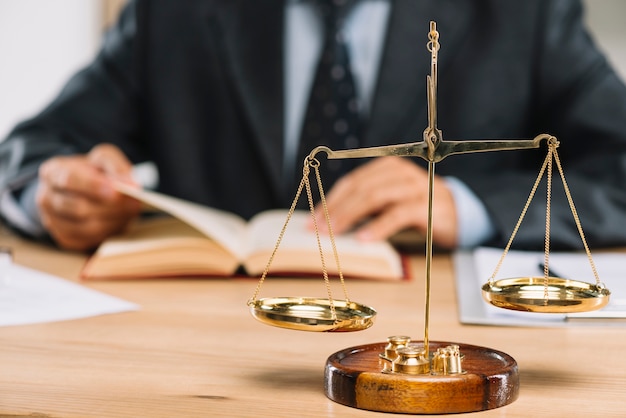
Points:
[(197, 87)]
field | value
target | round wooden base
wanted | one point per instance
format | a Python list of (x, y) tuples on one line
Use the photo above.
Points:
[(354, 377)]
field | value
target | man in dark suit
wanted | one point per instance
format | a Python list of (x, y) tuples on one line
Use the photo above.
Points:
[(213, 92)]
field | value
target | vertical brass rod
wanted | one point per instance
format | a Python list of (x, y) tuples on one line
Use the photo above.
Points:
[(429, 252), (434, 50)]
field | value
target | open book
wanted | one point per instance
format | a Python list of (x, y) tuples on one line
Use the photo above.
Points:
[(196, 240)]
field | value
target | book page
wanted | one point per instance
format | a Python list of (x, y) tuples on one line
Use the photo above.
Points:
[(228, 229), (164, 246), (264, 230)]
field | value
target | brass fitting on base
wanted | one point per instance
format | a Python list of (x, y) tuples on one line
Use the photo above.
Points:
[(400, 356)]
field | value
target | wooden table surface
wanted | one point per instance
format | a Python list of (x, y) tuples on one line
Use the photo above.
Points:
[(194, 350)]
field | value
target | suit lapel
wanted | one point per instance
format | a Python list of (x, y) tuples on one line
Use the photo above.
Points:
[(400, 101), (252, 36)]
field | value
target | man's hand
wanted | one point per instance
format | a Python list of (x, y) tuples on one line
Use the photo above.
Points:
[(386, 196), (77, 202)]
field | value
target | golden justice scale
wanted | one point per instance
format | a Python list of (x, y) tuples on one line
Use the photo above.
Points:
[(427, 377)]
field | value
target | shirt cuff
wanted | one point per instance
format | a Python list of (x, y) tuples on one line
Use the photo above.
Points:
[(475, 225), (22, 214)]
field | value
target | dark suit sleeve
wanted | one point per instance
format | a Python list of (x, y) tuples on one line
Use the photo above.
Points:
[(98, 104), (579, 99)]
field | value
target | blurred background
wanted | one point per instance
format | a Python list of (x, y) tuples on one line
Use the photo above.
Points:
[(42, 42)]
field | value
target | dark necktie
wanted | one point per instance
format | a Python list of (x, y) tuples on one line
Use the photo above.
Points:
[(332, 117)]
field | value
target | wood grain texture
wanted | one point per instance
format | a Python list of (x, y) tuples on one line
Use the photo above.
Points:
[(354, 377), (194, 350)]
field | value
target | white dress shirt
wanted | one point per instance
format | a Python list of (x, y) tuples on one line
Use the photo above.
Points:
[(365, 30)]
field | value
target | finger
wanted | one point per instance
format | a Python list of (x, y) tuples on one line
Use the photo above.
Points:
[(112, 161), (78, 223), (372, 188), (75, 175), (346, 202), (394, 219), (63, 203), (73, 234), (80, 207), (414, 214)]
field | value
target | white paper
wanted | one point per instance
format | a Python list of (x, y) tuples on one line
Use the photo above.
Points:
[(474, 268), (30, 296)]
